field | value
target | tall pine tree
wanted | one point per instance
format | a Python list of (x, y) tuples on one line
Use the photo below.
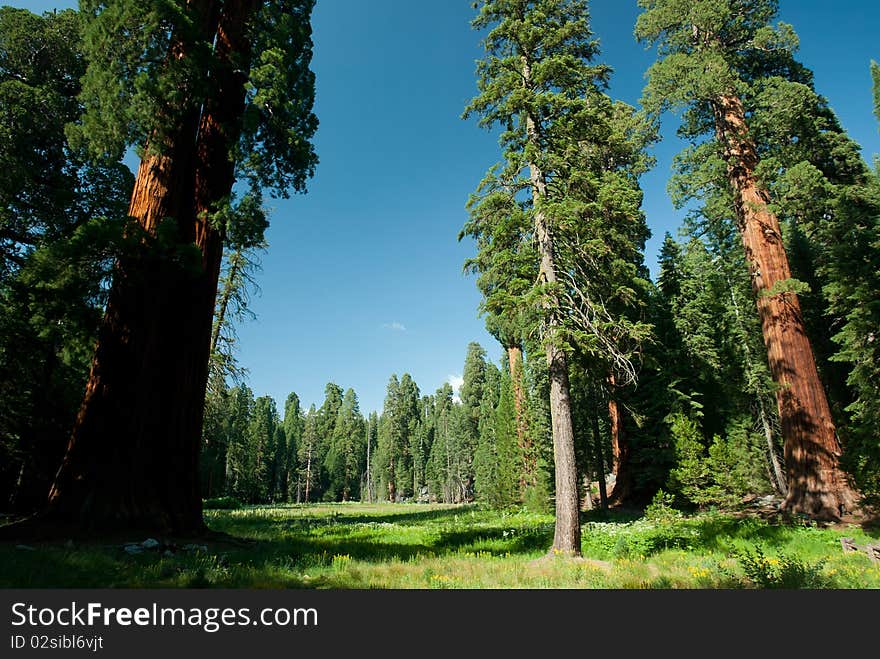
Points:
[(567, 184)]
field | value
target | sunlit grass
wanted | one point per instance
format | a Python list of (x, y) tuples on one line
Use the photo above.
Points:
[(338, 546)]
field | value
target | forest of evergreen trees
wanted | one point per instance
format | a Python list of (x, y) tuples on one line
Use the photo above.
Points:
[(749, 366)]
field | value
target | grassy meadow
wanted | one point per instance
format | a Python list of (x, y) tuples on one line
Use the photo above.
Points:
[(411, 546)]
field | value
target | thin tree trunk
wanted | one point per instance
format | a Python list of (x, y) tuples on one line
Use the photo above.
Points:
[(600, 460), (235, 264), (392, 486), (817, 486), (228, 473), (13, 500), (369, 475), (308, 471)]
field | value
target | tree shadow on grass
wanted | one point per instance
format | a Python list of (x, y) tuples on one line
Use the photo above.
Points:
[(276, 518), (307, 549)]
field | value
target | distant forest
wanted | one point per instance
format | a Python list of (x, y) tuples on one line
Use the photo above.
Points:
[(750, 366)]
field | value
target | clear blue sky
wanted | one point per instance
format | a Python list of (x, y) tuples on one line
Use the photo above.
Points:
[(363, 277)]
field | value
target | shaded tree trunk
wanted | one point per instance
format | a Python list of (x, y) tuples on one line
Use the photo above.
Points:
[(528, 476), (308, 472), (369, 470), (621, 451), (133, 456), (817, 486), (392, 486), (127, 462), (600, 460)]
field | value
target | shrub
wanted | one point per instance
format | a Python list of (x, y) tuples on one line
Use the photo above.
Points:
[(787, 572), (720, 473), (661, 508), (536, 499), (222, 503), (690, 477)]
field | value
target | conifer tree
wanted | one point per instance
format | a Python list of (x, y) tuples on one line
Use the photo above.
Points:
[(328, 413), (240, 463), (307, 451), (369, 490), (399, 422), (497, 460), (713, 58), (233, 295), (346, 451), (506, 267), (875, 75), (441, 471), (565, 187), (475, 380), (293, 426), (262, 439), (852, 273)]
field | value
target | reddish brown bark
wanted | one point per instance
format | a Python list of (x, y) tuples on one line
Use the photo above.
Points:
[(529, 474), (123, 467), (392, 486), (817, 485), (132, 460), (621, 453)]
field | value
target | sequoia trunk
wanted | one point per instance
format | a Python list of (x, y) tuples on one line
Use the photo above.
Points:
[(816, 484), (621, 453), (528, 476), (131, 461), (133, 456)]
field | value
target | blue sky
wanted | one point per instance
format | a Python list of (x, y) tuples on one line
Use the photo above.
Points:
[(363, 276)]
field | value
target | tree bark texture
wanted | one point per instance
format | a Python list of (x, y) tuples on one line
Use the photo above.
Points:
[(529, 473), (817, 486), (621, 451), (600, 461), (132, 461), (567, 534)]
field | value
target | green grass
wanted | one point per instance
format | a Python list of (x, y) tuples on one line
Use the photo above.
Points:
[(345, 546)]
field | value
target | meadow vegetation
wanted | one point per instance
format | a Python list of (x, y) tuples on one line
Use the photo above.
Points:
[(357, 546)]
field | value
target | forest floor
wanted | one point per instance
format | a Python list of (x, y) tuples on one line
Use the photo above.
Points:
[(353, 546)]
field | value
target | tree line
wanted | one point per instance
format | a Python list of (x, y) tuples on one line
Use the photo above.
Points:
[(424, 448), (748, 366)]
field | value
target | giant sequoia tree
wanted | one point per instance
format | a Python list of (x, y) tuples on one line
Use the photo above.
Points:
[(209, 91), (565, 185), (712, 56)]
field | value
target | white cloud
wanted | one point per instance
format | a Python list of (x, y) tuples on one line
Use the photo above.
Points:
[(395, 326), (455, 381)]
